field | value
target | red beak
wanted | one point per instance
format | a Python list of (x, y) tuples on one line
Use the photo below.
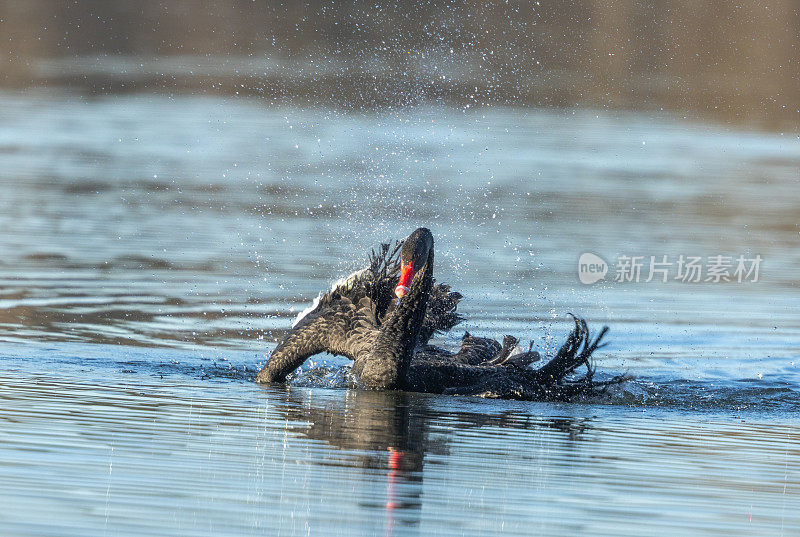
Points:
[(406, 274)]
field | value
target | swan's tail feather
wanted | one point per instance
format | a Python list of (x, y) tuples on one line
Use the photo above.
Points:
[(554, 377)]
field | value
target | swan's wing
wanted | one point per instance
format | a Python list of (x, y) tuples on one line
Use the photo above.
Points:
[(441, 315), (337, 326), (353, 329), (437, 371), (477, 350), (346, 296), (297, 345), (344, 320), (487, 351), (340, 321), (352, 287), (384, 269)]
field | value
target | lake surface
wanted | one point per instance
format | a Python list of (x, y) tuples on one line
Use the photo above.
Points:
[(153, 249)]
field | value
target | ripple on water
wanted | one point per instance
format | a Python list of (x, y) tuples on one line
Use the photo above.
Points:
[(238, 459)]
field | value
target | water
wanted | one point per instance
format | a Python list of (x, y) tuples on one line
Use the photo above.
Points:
[(153, 249)]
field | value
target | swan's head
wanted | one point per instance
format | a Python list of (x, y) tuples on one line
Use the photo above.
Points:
[(413, 256)]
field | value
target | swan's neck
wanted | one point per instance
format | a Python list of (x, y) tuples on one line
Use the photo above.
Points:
[(391, 355)]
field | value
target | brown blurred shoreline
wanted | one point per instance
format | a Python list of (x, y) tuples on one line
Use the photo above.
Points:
[(704, 59)]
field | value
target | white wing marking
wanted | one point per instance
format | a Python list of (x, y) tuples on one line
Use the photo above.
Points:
[(345, 282), (516, 350)]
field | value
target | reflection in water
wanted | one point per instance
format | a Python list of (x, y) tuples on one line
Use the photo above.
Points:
[(392, 434), (392, 440)]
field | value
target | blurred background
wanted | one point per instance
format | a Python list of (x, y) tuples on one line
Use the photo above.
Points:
[(727, 61)]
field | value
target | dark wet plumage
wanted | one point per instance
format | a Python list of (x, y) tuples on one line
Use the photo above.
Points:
[(387, 338)]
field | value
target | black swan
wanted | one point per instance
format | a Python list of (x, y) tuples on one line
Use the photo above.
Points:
[(387, 337)]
